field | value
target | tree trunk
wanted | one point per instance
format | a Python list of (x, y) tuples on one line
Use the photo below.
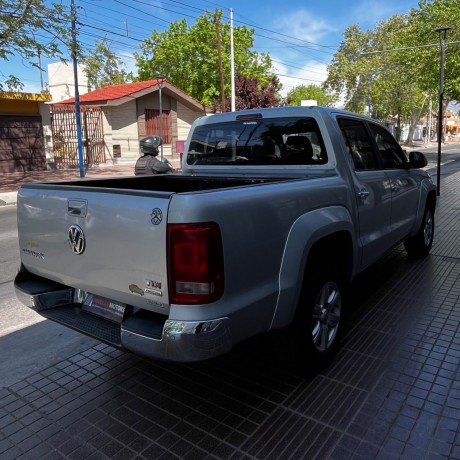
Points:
[(414, 119)]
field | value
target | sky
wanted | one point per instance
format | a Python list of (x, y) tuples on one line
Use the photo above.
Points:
[(300, 36)]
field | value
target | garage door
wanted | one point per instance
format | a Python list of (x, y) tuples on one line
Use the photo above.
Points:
[(21, 144)]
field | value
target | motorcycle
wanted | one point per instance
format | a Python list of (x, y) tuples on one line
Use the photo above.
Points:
[(148, 164)]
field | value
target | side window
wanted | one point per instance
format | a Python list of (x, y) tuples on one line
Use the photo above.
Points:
[(358, 143), (390, 152)]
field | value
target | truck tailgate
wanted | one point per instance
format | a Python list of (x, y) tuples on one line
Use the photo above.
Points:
[(104, 241)]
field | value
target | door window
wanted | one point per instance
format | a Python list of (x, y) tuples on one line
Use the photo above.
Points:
[(358, 143), (391, 154)]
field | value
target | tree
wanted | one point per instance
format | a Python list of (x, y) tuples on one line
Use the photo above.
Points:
[(31, 28), (374, 80), (348, 72), (103, 67), (187, 56), (432, 15), (252, 94), (394, 68), (310, 92)]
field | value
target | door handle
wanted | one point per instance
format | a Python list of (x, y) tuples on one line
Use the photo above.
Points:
[(395, 187), (363, 193)]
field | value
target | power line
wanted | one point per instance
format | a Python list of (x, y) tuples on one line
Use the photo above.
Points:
[(407, 48), (308, 44), (99, 22)]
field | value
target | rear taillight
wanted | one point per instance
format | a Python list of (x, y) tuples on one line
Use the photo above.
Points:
[(195, 263)]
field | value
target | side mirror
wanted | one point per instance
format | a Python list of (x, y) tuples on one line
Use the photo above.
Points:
[(417, 160)]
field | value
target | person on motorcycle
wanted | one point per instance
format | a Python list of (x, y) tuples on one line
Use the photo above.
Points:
[(148, 164)]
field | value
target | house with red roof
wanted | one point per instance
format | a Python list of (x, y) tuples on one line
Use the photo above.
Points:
[(114, 118)]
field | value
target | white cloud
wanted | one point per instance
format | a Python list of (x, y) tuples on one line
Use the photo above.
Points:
[(304, 26), (311, 72), (299, 63)]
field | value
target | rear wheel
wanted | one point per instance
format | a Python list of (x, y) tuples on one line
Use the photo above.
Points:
[(420, 244), (326, 316), (312, 340)]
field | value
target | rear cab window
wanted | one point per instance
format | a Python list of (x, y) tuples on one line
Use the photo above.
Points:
[(260, 141)]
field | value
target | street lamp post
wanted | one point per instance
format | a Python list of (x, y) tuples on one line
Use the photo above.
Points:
[(77, 94), (442, 37), (161, 117)]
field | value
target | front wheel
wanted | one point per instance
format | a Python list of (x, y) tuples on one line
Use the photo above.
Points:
[(312, 339), (420, 244)]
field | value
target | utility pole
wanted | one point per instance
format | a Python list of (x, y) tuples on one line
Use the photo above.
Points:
[(160, 96), (232, 62), (217, 17), (442, 37), (41, 70), (77, 95), (430, 121)]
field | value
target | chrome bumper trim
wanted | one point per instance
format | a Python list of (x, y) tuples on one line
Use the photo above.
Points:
[(183, 341), (45, 300)]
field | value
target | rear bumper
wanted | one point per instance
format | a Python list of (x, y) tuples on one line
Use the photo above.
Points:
[(144, 333)]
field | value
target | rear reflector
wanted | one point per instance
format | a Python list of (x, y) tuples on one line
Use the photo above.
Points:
[(195, 263)]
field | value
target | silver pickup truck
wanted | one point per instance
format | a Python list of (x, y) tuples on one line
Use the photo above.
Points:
[(275, 212)]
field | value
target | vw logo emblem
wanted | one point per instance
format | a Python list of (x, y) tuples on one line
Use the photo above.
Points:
[(76, 239), (156, 216)]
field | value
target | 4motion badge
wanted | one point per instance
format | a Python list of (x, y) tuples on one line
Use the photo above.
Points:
[(76, 239)]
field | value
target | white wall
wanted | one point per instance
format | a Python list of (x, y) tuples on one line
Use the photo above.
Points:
[(61, 81)]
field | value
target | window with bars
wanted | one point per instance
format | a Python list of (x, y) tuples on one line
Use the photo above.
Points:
[(152, 124)]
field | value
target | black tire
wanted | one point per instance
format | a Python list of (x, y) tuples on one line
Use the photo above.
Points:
[(420, 244), (312, 340)]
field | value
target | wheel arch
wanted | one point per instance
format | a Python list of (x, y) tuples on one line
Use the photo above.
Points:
[(321, 233), (431, 200), (428, 200)]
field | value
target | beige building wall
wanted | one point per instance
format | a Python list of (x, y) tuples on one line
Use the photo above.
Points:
[(185, 118), (47, 134), (120, 132)]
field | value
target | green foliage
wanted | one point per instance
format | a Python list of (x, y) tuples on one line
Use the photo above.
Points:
[(314, 92), (434, 14), (22, 26), (349, 72), (103, 67), (12, 83), (368, 75), (187, 56)]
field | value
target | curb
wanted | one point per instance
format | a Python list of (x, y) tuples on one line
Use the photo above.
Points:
[(8, 198)]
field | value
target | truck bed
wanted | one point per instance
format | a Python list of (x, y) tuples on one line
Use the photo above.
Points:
[(172, 183)]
